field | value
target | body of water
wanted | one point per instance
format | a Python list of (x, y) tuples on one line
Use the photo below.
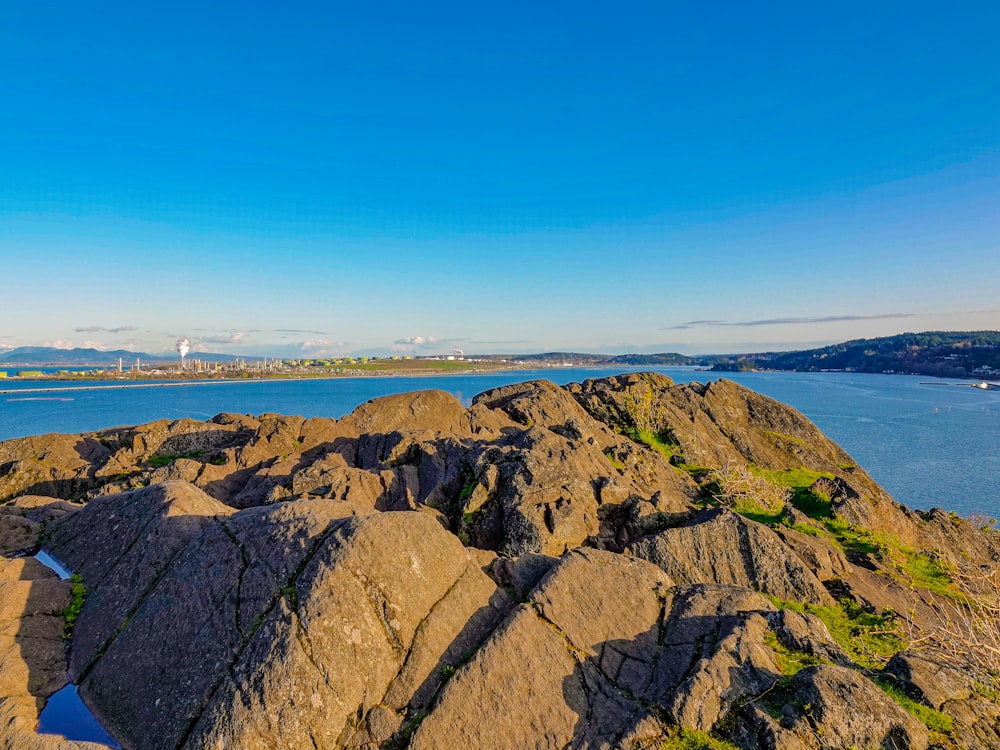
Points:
[(928, 445)]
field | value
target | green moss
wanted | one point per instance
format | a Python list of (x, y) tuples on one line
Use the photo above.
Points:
[(467, 489), (869, 639), (661, 442), (614, 461), (936, 721), (687, 739), (800, 477), (789, 661), (925, 571), (78, 594), (410, 726), (165, 459), (780, 694)]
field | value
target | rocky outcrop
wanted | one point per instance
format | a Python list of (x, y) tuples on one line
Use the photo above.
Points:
[(723, 547), (121, 546), (830, 708), (550, 567)]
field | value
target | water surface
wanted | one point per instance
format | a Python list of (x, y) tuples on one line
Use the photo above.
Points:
[(928, 445)]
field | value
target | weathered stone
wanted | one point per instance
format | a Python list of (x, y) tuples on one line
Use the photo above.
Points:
[(17, 533), (121, 545), (719, 546), (32, 652), (713, 654), (54, 465), (832, 708), (929, 681), (576, 661), (360, 601)]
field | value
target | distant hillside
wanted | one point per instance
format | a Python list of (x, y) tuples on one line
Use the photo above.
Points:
[(951, 354), (667, 359), (50, 356)]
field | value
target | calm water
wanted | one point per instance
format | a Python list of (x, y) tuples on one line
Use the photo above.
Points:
[(929, 445)]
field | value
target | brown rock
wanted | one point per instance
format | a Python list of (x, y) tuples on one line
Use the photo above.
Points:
[(929, 681), (719, 546), (32, 652), (121, 545), (834, 707), (585, 641)]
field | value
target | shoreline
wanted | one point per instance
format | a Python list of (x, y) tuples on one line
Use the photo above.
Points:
[(95, 384)]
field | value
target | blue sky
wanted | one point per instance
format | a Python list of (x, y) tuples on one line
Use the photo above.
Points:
[(377, 177)]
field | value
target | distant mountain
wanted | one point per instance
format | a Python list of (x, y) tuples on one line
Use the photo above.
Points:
[(50, 356), (950, 354)]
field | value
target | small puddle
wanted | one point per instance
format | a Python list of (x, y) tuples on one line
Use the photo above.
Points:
[(52, 564), (65, 714)]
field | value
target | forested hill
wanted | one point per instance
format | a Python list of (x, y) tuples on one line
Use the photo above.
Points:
[(664, 359), (954, 354)]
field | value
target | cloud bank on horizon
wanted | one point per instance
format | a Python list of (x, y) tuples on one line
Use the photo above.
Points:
[(785, 321)]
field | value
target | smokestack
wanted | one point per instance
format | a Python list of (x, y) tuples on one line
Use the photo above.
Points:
[(183, 347)]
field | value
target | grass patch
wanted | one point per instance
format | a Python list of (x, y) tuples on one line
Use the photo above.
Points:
[(805, 528), (165, 459), (614, 461), (697, 471), (745, 492), (687, 739), (936, 721), (854, 538), (816, 505), (926, 572), (789, 661), (658, 441), (756, 513), (869, 639), (78, 594), (908, 566)]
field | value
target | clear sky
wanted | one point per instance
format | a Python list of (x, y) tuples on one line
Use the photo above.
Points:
[(321, 178)]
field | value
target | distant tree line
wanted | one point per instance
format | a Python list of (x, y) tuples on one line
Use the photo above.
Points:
[(954, 354)]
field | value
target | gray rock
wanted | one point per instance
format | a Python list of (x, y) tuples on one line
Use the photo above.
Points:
[(719, 546)]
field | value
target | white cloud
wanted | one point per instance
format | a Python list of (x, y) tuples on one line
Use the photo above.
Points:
[(415, 342), (95, 345), (224, 340), (323, 347), (102, 329), (59, 343)]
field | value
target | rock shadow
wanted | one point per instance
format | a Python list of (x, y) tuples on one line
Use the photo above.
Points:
[(691, 669), (33, 667), (457, 653)]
